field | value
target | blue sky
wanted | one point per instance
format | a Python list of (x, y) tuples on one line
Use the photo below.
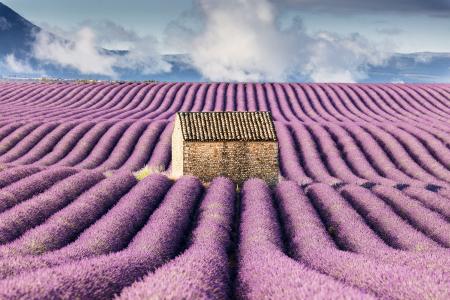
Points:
[(413, 26)]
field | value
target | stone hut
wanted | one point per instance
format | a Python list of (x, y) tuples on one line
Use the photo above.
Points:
[(238, 145)]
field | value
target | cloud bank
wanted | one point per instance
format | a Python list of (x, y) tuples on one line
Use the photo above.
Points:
[(84, 49), (245, 40), (13, 67), (233, 40), (80, 53)]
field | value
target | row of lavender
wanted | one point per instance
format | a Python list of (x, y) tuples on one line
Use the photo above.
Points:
[(424, 105), (329, 152), (68, 234), (366, 213)]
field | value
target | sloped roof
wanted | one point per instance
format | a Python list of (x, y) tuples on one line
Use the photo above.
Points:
[(227, 126)]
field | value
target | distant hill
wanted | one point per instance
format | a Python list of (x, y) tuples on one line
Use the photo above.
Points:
[(17, 36), (16, 33)]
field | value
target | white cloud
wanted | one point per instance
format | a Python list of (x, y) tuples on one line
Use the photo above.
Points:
[(81, 53), (238, 45), (143, 57), (111, 35), (84, 49), (12, 65), (242, 40), (424, 57), (334, 58)]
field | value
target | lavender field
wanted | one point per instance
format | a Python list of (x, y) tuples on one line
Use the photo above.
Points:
[(362, 210)]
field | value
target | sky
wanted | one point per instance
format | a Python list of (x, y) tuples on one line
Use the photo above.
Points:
[(411, 25), (236, 40)]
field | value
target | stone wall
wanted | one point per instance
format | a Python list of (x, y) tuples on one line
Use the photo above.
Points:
[(236, 160)]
